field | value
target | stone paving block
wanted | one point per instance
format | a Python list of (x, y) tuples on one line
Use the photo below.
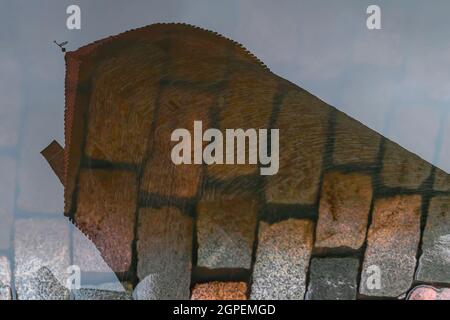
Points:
[(392, 245), (434, 263), (124, 91), (41, 255), (164, 253), (303, 123), (220, 291), (155, 287), (7, 194), (441, 181), (5, 293), (43, 285), (354, 142), (99, 294), (402, 169), (5, 279), (429, 293), (282, 260), (246, 103), (226, 231), (106, 210), (343, 210), (333, 279), (179, 108)]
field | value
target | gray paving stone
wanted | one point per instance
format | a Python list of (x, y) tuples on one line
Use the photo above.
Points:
[(5, 279), (42, 285), (226, 231), (100, 294), (434, 263), (392, 243), (5, 292), (162, 286), (333, 279), (148, 288), (282, 260), (164, 253), (40, 243), (7, 194)]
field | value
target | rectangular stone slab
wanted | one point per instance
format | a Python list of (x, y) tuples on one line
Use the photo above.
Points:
[(107, 203), (164, 253), (434, 263), (282, 260), (333, 279), (220, 291), (226, 231), (392, 243), (343, 210)]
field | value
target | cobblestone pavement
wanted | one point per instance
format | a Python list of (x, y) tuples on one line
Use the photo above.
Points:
[(350, 214)]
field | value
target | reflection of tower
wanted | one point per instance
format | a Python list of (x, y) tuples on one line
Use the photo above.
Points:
[(342, 189), (61, 45)]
